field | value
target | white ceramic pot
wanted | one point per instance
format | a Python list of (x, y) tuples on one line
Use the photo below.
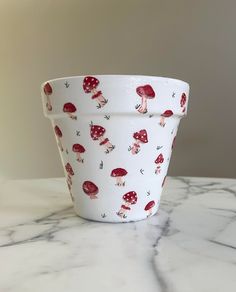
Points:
[(115, 136)]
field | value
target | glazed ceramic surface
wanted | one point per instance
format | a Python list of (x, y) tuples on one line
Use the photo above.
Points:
[(115, 135)]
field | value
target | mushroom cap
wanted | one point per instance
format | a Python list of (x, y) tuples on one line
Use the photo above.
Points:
[(173, 143), (90, 188), (160, 159), (90, 83), (69, 108), (78, 148), (69, 169), (47, 89), (146, 90), (96, 131), (167, 114), (149, 205), (58, 131), (183, 99), (118, 172), (141, 136), (130, 197)]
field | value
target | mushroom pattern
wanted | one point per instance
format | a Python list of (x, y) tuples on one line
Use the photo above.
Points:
[(90, 189), (159, 161), (78, 149), (145, 92), (118, 173), (70, 173), (129, 198), (149, 208), (70, 108), (183, 102), (140, 137), (90, 85), (97, 133), (48, 91), (166, 114), (58, 133)]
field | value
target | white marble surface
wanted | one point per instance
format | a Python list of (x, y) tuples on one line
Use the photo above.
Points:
[(190, 245)]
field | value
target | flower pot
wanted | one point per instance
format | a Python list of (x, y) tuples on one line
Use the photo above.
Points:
[(115, 135)]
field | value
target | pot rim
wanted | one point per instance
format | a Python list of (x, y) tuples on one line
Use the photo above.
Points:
[(125, 76)]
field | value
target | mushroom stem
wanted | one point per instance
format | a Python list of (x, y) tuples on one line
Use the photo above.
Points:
[(162, 121), (79, 159), (123, 211), (149, 212), (135, 147), (143, 107), (119, 181), (59, 144), (101, 99), (93, 196), (72, 116), (49, 105), (158, 169), (109, 146)]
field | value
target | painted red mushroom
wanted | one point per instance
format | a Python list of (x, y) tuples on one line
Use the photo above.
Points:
[(70, 108), (145, 92), (119, 173), (149, 208), (58, 133), (70, 173), (129, 198), (90, 189), (183, 102), (90, 84), (48, 91), (166, 114), (159, 161), (78, 149), (97, 133), (140, 137)]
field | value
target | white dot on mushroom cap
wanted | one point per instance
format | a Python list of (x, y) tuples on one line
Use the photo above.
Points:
[(92, 79), (88, 83)]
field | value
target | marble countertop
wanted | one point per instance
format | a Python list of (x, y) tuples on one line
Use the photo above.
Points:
[(190, 245)]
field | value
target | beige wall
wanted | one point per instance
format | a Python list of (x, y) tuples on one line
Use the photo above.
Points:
[(190, 40)]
